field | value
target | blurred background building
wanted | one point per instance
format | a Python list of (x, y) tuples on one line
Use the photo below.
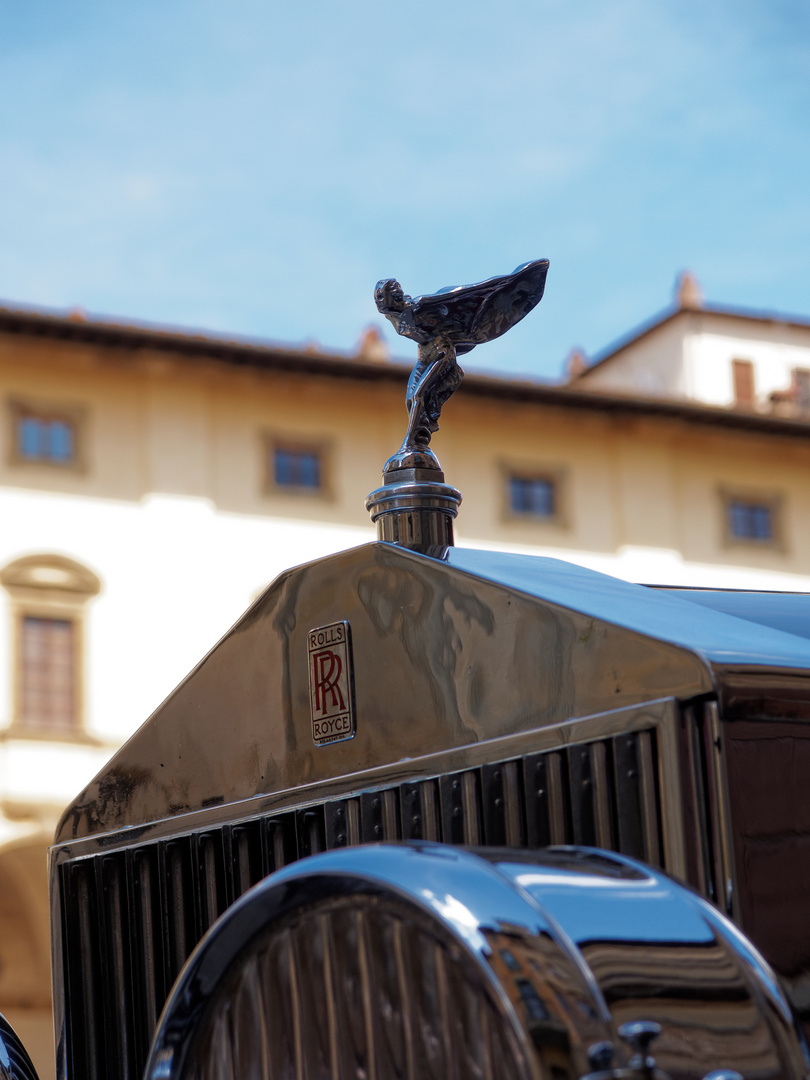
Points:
[(153, 482)]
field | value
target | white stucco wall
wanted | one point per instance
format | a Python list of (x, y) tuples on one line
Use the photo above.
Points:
[(175, 573), (774, 351), (651, 366), (691, 357)]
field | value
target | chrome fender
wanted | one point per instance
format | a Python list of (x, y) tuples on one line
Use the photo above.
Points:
[(431, 961)]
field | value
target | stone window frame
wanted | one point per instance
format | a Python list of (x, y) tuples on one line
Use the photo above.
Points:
[(273, 441), (557, 475), (50, 587), (74, 415), (774, 500)]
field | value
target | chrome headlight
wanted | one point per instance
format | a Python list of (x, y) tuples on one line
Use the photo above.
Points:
[(379, 962), (430, 962), (15, 1063)]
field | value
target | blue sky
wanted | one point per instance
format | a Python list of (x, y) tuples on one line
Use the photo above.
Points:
[(254, 167)]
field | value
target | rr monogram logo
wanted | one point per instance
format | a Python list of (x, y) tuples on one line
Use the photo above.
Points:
[(328, 668), (331, 683)]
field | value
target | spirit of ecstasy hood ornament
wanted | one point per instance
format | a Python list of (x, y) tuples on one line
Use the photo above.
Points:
[(446, 325), (415, 507)]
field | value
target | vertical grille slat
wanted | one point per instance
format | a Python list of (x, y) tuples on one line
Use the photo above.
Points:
[(492, 798), (371, 814), (369, 993), (146, 948), (311, 831), (560, 801), (392, 1015), (83, 1007), (294, 982), (628, 780), (280, 1015), (502, 802), (392, 824), (650, 801), (336, 823), (317, 1032), (330, 992), (281, 842), (211, 887), (246, 857), (452, 803), (145, 907), (178, 904), (471, 804), (115, 965), (420, 810), (583, 810), (603, 794), (513, 800), (350, 994), (537, 800)]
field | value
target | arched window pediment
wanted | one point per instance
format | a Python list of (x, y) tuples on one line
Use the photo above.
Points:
[(50, 572)]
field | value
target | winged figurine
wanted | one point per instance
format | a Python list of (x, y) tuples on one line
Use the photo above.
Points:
[(448, 324)]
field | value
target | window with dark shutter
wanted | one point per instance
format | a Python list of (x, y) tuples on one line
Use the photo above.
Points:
[(744, 389), (42, 435), (753, 519), (801, 382), (532, 496), (48, 597), (47, 674), (296, 468), (750, 520)]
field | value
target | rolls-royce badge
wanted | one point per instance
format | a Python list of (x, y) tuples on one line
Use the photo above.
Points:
[(331, 683)]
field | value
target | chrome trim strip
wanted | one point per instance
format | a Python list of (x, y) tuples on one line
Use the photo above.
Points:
[(697, 797), (721, 818)]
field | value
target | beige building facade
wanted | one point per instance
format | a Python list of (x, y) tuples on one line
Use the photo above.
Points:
[(153, 483)]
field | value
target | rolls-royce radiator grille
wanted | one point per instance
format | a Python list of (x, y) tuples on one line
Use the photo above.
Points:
[(132, 916)]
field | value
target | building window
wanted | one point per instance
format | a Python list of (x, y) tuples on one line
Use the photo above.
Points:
[(296, 468), (48, 595), (44, 436), (750, 520), (533, 495), (47, 674), (801, 383), (753, 519), (744, 389)]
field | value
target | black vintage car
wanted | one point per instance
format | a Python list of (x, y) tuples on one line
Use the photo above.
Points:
[(582, 743), (427, 812)]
